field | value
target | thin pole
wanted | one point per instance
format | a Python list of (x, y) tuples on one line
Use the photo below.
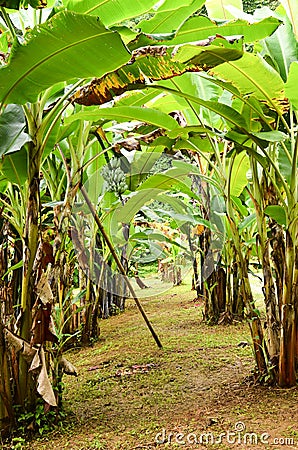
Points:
[(119, 264)]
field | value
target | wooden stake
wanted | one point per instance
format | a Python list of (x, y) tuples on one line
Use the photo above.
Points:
[(119, 264)]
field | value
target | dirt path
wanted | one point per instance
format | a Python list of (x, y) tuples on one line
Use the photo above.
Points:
[(193, 394)]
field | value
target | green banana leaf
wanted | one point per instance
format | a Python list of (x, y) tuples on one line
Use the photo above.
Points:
[(111, 11), (253, 76), (277, 213), (68, 46), (291, 85), (170, 16), (291, 8), (281, 47), (229, 114), (12, 126), (14, 167), (151, 188), (140, 167), (200, 27), (126, 113), (219, 10), (238, 179)]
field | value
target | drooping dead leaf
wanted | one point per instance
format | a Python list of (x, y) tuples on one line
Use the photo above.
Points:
[(67, 367), (154, 63), (43, 290), (42, 326), (80, 248), (41, 330), (134, 143), (36, 358), (44, 387), (20, 345)]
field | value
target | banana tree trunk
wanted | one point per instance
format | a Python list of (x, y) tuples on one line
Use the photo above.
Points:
[(272, 309), (60, 280), (277, 242), (259, 344), (6, 409), (288, 337), (30, 246)]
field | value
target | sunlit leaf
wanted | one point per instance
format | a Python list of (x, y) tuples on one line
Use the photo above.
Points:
[(218, 10), (125, 113), (111, 11), (291, 90), (281, 47), (252, 76), (201, 27), (238, 179), (169, 17), (291, 7), (67, 46), (271, 136)]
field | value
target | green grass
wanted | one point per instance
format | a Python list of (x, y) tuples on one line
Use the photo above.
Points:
[(196, 383)]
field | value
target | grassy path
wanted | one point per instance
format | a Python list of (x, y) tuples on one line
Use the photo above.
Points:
[(128, 391)]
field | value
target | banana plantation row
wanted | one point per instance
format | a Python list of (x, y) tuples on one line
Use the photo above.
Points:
[(132, 133)]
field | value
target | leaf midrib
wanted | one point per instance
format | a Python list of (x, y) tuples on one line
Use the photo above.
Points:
[(96, 6)]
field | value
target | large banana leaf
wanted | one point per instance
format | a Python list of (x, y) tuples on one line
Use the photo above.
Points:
[(170, 16), (232, 116), (282, 48), (201, 87), (158, 118), (200, 27), (111, 11), (68, 46), (159, 63), (253, 76), (149, 190)]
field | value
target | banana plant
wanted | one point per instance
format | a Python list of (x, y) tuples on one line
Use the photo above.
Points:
[(255, 112), (33, 77), (248, 109)]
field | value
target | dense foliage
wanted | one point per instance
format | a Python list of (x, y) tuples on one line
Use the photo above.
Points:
[(135, 133)]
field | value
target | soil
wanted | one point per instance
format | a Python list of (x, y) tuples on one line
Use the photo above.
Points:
[(195, 393)]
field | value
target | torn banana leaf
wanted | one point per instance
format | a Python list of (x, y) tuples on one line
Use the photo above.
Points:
[(160, 63)]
